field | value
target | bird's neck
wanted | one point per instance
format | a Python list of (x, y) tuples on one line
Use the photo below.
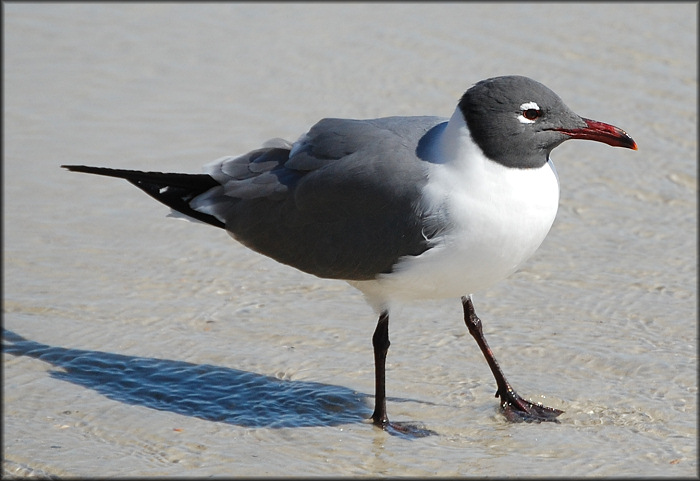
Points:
[(453, 145)]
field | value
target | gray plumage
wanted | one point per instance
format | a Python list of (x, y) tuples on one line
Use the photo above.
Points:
[(320, 208)]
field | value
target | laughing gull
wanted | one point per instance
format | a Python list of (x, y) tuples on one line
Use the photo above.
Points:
[(402, 208)]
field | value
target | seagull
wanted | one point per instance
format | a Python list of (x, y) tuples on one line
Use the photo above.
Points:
[(402, 208)]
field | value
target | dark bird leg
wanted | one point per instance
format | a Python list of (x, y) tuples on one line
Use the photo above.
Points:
[(380, 342), (515, 408)]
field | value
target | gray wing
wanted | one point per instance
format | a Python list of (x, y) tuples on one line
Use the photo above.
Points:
[(342, 202)]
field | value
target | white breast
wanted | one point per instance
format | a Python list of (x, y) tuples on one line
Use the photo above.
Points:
[(498, 217)]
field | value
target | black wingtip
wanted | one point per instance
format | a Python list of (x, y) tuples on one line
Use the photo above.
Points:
[(173, 190), (81, 168), (121, 173)]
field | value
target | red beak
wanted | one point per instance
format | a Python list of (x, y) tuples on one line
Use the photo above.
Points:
[(601, 132)]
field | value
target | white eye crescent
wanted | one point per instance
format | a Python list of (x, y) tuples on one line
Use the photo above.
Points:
[(529, 112)]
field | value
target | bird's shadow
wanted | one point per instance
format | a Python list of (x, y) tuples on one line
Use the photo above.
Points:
[(203, 391)]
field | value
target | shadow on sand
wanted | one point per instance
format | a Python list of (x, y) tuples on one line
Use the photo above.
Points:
[(203, 391)]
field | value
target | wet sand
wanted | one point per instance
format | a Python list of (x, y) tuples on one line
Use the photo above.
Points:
[(139, 345)]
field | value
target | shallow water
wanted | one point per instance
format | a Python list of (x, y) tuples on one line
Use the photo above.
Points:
[(140, 345)]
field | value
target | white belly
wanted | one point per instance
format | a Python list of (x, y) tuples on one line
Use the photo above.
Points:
[(498, 218)]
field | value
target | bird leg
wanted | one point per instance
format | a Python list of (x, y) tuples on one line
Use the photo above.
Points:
[(515, 408), (380, 342)]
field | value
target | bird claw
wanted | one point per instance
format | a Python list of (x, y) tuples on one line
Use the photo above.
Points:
[(517, 410), (405, 430)]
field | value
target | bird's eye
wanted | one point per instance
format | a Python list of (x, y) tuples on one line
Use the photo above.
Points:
[(532, 114)]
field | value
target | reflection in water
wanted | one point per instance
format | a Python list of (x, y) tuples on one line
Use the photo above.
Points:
[(203, 391)]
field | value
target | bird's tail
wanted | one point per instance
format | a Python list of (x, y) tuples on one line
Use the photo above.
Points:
[(174, 190)]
